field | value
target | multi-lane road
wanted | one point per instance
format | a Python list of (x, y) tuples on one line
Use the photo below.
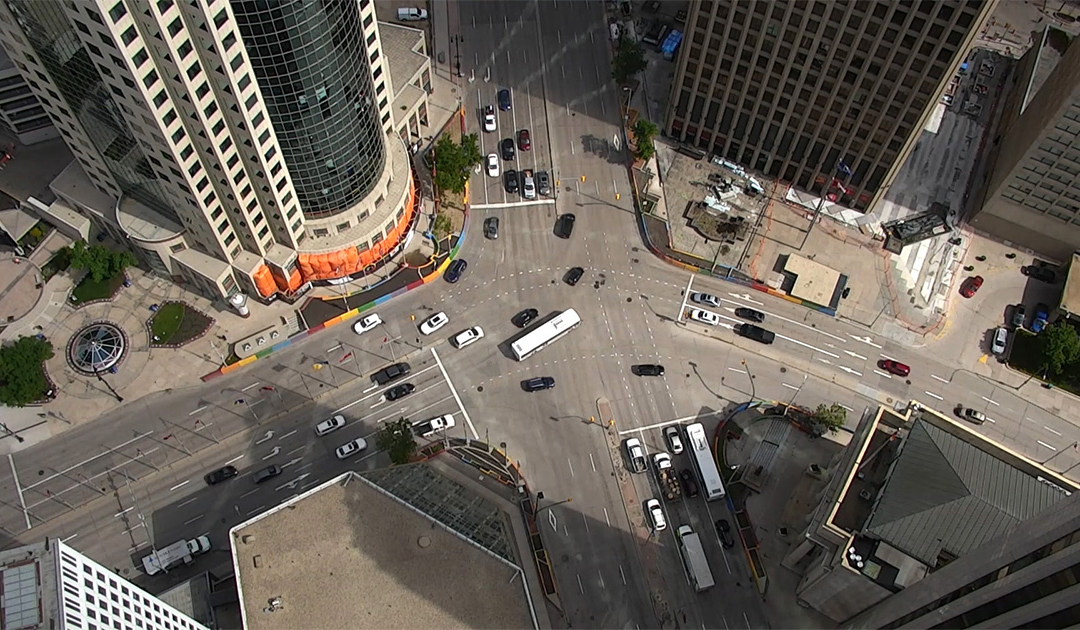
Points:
[(112, 486)]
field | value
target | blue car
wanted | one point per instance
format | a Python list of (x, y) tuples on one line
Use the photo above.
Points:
[(504, 100), (1042, 313), (454, 271)]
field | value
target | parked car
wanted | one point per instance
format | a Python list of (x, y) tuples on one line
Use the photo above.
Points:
[(705, 298), (400, 391), (431, 426), (655, 514), (723, 529), (705, 317), (1042, 314), (538, 383), (1001, 340), (564, 226), (757, 333), (491, 227), (469, 336), (489, 119), (750, 314), (492, 165), (574, 275), (221, 474), (454, 271), (971, 415), (524, 142), (528, 184), (266, 473), (511, 181), (367, 323), (647, 369), (504, 99), (635, 454), (894, 367), (525, 317), (351, 448), (433, 323), (199, 545), (330, 425), (543, 183), (970, 286), (506, 148), (391, 373), (674, 440), (1039, 272), (689, 484), (1019, 316)]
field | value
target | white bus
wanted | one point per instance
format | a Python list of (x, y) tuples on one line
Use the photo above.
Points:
[(706, 465), (540, 336)]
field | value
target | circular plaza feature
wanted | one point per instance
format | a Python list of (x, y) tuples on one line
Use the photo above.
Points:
[(96, 348)]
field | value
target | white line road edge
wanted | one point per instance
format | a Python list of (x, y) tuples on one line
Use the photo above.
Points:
[(453, 390), (685, 297), (18, 486)]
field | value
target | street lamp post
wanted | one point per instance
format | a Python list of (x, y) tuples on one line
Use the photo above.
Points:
[(753, 390), (18, 438), (112, 391), (540, 497), (457, 40), (797, 390)]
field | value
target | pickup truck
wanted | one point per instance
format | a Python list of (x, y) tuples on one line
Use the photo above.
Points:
[(391, 373), (431, 426), (636, 454), (666, 477)]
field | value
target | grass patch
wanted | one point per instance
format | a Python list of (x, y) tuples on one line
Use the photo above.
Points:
[(176, 323), (88, 290), (1026, 356), (167, 321)]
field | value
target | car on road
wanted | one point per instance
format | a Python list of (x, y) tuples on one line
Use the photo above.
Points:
[(705, 317), (723, 529), (391, 373), (635, 454), (543, 183), (757, 333), (528, 184), (431, 426), (674, 440), (489, 119), (221, 474), (366, 323), (506, 148), (706, 299), (1042, 314), (511, 181), (504, 100), (330, 425), (750, 314), (198, 545), (524, 142), (564, 225), (433, 323), (894, 367), (647, 369), (1000, 341), (266, 473), (469, 336), (454, 271), (574, 275), (970, 286), (1019, 316), (525, 317), (689, 484), (655, 514), (1039, 272), (971, 415), (400, 391), (351, 448), (538, 384), (492, 165), (491, 228)]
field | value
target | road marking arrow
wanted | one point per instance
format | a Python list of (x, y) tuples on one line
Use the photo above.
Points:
[(292, 484), (269, 435), (277, 449), (853, 354), (867, 340), (850, 371), (293, 462)]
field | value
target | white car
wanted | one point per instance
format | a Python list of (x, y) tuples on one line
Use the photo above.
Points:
[(636, 455), (1001, 340), (705, 317), (706, 299), (492, 165), (661, 461), (330, 425), (431, 426), (433, 323), (349, 449), (471, 335), (366, 324), (489, 118), (655, 514), (674, 440)]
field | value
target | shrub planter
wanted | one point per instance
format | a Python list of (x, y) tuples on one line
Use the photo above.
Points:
[(112, 285), (176, 324)]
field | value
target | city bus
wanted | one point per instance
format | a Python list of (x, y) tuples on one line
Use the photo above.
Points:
[(540, 336), (705, 464)]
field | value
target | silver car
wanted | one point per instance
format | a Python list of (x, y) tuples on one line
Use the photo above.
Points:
[(706, 299)]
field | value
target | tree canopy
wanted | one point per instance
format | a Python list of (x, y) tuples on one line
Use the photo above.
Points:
[(831, 417), (22, 380), (396, 438), (454, 162), (644, 132), (1060, 346), (629, 60), (100, 261)]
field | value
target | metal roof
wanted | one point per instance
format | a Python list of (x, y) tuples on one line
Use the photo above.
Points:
[(947, 494)]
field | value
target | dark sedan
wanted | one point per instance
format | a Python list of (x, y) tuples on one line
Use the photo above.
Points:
[(454, 271), (647, 369), (564, 227), (221, 474), (510, 178), (1045, 274), (723, 528), (574, 275), (525, 317), (507, 149), (750, 314), (688, 482), (400, 391)]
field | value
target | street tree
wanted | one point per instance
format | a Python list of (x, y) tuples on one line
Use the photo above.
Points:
[(644, 132), (1060, 346), (830, 417), (100, 261), (22, 380), (396, 438), (454, 162), (629, 60)]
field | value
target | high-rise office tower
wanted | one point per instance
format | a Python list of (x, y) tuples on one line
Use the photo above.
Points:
[(812, 91), (238, 146)]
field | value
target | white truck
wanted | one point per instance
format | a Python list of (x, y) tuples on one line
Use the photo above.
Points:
[(431, 426), (181, 551), (697, 565)]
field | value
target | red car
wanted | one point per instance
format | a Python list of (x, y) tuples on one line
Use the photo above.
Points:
[(970, 286), (894, 367), (523, 140)]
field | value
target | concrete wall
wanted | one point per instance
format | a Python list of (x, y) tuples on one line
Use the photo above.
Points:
[(838, 591)]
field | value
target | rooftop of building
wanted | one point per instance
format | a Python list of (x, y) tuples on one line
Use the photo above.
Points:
[(144, 223), (1070, 293), (363, 552), (400, 45), (1052, 47)]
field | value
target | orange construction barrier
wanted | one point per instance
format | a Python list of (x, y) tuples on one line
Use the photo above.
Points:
[(264, 281)]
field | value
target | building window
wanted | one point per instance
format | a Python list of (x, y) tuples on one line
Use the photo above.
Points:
[(185, 49), (118, 11), (175, 27)]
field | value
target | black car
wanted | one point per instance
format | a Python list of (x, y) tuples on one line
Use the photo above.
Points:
[(454, 271), (266, 473), (574, 275), (689, 484), (564, 227), (751, 314), (390, 373), (507, 148), (647, 369), (537, 384), (491, 227), (400, 391), (523, 318), (510, 178), (504, 100), (1038, 272), (221, 474), (723, 528), (757, 333)]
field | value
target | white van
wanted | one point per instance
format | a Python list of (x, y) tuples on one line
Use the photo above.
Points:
[(410, 14)]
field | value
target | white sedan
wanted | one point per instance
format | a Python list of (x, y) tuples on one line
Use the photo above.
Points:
[(705, 317), (330, 425), (471, 335), (349, 449), (492, 165), (433, 323), (366, 324), (489, 118), (656, 514)]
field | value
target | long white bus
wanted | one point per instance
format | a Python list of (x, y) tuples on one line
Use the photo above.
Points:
[(706, 465), (540, 336)]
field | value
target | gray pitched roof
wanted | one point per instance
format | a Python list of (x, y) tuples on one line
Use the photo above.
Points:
[(945, 493)]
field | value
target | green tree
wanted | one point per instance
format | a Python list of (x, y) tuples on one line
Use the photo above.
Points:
[(831, 417), (1060, 346), (629, 60), (454, 162), (644, 132), (100, 261), (22, 380), (396, 438)]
